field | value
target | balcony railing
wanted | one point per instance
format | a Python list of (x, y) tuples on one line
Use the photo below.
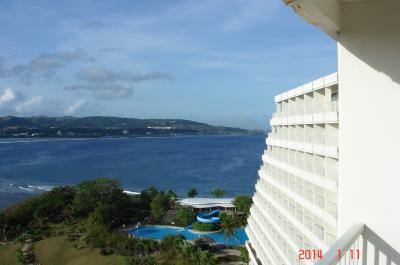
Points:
[(253, 253), (332, 106), (360, 245)]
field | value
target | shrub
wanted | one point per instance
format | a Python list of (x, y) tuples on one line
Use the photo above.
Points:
[(105, 251), (141, 260), (20, 257), (244, 254), (172, 242), (204, 227)]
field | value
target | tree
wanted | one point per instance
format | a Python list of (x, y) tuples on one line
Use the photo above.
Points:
[(102, 191), (184, 217), (192, 193), (96, 234), (218, 193), (196, 256), (243, 204), (33, 215), (172, 197), (149, 193), (228, 225), (159, 206)]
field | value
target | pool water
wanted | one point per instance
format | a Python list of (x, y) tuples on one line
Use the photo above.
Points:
[(159, 232)]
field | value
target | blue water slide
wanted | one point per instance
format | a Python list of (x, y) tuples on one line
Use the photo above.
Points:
[(209, 218)]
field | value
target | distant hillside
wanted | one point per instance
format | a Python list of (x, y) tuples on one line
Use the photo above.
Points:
[(11, 126)]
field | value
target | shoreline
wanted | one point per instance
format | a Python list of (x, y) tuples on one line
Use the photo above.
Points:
[(44, 138)]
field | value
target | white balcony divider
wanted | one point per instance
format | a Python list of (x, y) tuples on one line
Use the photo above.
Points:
[(360, 245), (332, 174), (333, 106), (332, 140), (308, 109)]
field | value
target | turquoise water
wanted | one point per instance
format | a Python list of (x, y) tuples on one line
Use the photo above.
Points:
[(159, 232)]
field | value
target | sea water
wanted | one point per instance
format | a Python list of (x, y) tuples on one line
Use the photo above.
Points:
[(30, 166)]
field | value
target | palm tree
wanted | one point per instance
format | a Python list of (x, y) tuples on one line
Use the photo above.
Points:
[(192, 193), (218, 193), (228, 226)]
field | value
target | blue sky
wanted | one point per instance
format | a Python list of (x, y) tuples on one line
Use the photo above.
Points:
[(215, 61)]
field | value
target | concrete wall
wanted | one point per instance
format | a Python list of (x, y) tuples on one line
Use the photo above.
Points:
[(369, 133)]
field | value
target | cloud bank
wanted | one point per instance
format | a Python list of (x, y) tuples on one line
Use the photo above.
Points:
[(107, 84), (44, 65), (13, 102)]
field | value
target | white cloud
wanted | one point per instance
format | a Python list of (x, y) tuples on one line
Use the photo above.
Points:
[(31, 105), (76, 106), (13, 102), (7, 96)]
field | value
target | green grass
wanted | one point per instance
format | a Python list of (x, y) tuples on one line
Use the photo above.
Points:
[(58, 251), (8, 254)]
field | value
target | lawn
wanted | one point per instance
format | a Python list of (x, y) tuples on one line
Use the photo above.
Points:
[(8, 254), (58, 251)]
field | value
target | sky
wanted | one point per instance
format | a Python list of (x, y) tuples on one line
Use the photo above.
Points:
[(214, 61)]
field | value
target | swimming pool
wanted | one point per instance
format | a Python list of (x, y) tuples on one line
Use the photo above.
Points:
[(159, 232)]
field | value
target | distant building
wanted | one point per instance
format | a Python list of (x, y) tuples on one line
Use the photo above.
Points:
[(159, 127)]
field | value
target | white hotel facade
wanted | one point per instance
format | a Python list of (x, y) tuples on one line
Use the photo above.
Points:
[(296, 199), (330, 178)]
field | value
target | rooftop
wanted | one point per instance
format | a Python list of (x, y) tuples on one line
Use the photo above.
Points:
[(207, 202)]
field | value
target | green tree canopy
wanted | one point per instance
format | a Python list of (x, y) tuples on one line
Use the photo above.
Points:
[(228, 225), (243, 204), (160, 206), (218, 193), (192, 193), (102, 191), (184, 217), (149, 193)]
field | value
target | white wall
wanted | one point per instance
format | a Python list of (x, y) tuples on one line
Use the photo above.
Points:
[(369, 77)]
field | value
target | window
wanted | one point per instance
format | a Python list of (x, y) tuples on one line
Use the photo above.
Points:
[(334, 96)]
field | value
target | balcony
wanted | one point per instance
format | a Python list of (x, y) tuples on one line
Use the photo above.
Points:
[(322, 112), (326, 145), (360, 245)]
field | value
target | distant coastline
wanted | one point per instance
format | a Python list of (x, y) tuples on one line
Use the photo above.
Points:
[(99, 126)]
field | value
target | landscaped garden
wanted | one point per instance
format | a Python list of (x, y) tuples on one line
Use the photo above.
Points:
[(68, 225)]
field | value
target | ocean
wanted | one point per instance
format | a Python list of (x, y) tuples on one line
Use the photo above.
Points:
[(31, 166)]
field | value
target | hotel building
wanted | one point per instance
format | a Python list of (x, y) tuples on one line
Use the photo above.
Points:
[(296, 199), (330, 177)]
